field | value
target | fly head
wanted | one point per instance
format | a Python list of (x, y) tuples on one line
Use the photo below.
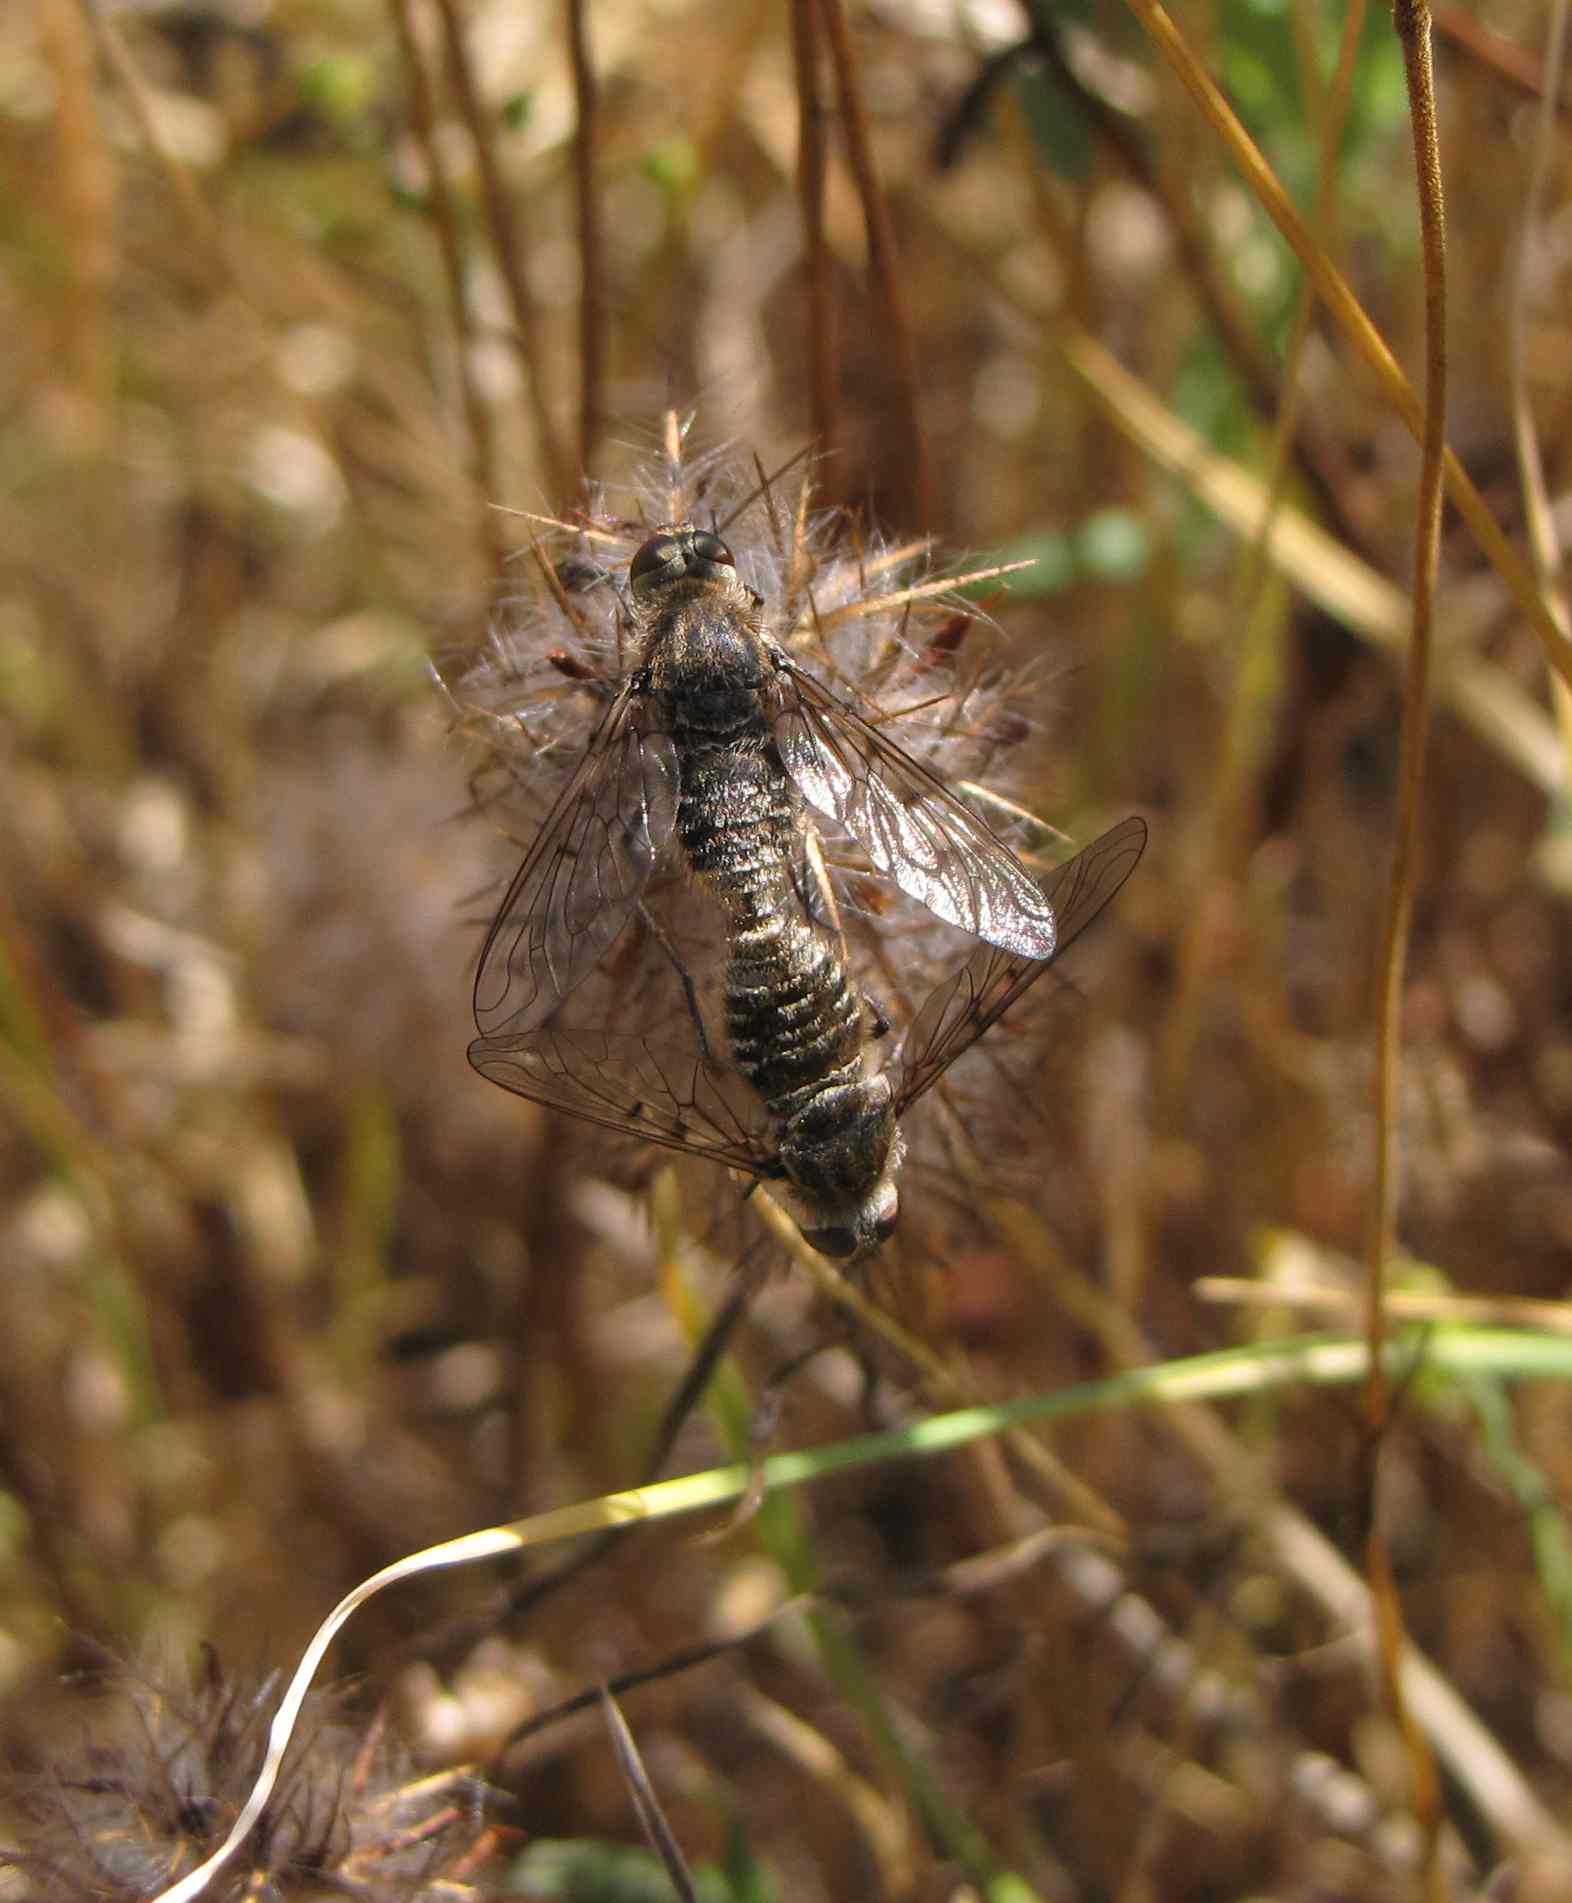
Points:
[(708, 659)]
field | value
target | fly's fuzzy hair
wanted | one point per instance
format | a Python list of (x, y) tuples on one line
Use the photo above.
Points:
[(153, 1786)]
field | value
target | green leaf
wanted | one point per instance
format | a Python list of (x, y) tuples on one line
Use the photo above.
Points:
[(673, 165), (747, 1880), (587, 1870), (341, 86), (1056, 122), (1113, 545)]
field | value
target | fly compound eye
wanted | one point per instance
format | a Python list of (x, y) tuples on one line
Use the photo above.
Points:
[(653, 562), (710, 548)]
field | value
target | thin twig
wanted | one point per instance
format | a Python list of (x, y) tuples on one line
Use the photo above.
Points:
[(592, 289), (1223, 825), (1544, 544), (684, 1659), (1411, 19), (1331, 1304), (190, 206), (482, 444), (85, 188), (1497, 54), (528, 331), (1493, 1784), (1323, 571), (1413, 30), (520, 1603), (1265, 385), (943, 1381), (811, 175), (1355, 323), (881, 248), (647, 1806)]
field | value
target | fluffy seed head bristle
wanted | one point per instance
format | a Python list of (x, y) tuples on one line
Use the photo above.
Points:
[(161, 1772), (872, 618)]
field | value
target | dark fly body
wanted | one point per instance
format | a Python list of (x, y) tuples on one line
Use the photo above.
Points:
[(712, 763), (798, 1028)]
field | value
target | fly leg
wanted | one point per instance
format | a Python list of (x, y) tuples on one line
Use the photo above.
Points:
[(523, 1599), (842, 1333), (766, 1420)]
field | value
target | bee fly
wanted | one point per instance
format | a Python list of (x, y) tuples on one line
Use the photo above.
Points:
[(697, 783)]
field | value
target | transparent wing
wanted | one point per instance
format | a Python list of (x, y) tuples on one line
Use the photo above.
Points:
[(910, 824), (583, 877), (562, 973), (957, 1012), (658, 1089)]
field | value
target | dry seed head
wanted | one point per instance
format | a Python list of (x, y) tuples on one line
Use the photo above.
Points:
[(160, 1772), (868, 617)]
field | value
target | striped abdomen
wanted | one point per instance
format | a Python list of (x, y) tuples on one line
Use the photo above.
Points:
[(796, 1021)]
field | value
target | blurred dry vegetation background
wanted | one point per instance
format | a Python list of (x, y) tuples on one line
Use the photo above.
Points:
[(286, 1290)]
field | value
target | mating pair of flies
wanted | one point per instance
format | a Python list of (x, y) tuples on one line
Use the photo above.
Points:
[(671, 959)]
